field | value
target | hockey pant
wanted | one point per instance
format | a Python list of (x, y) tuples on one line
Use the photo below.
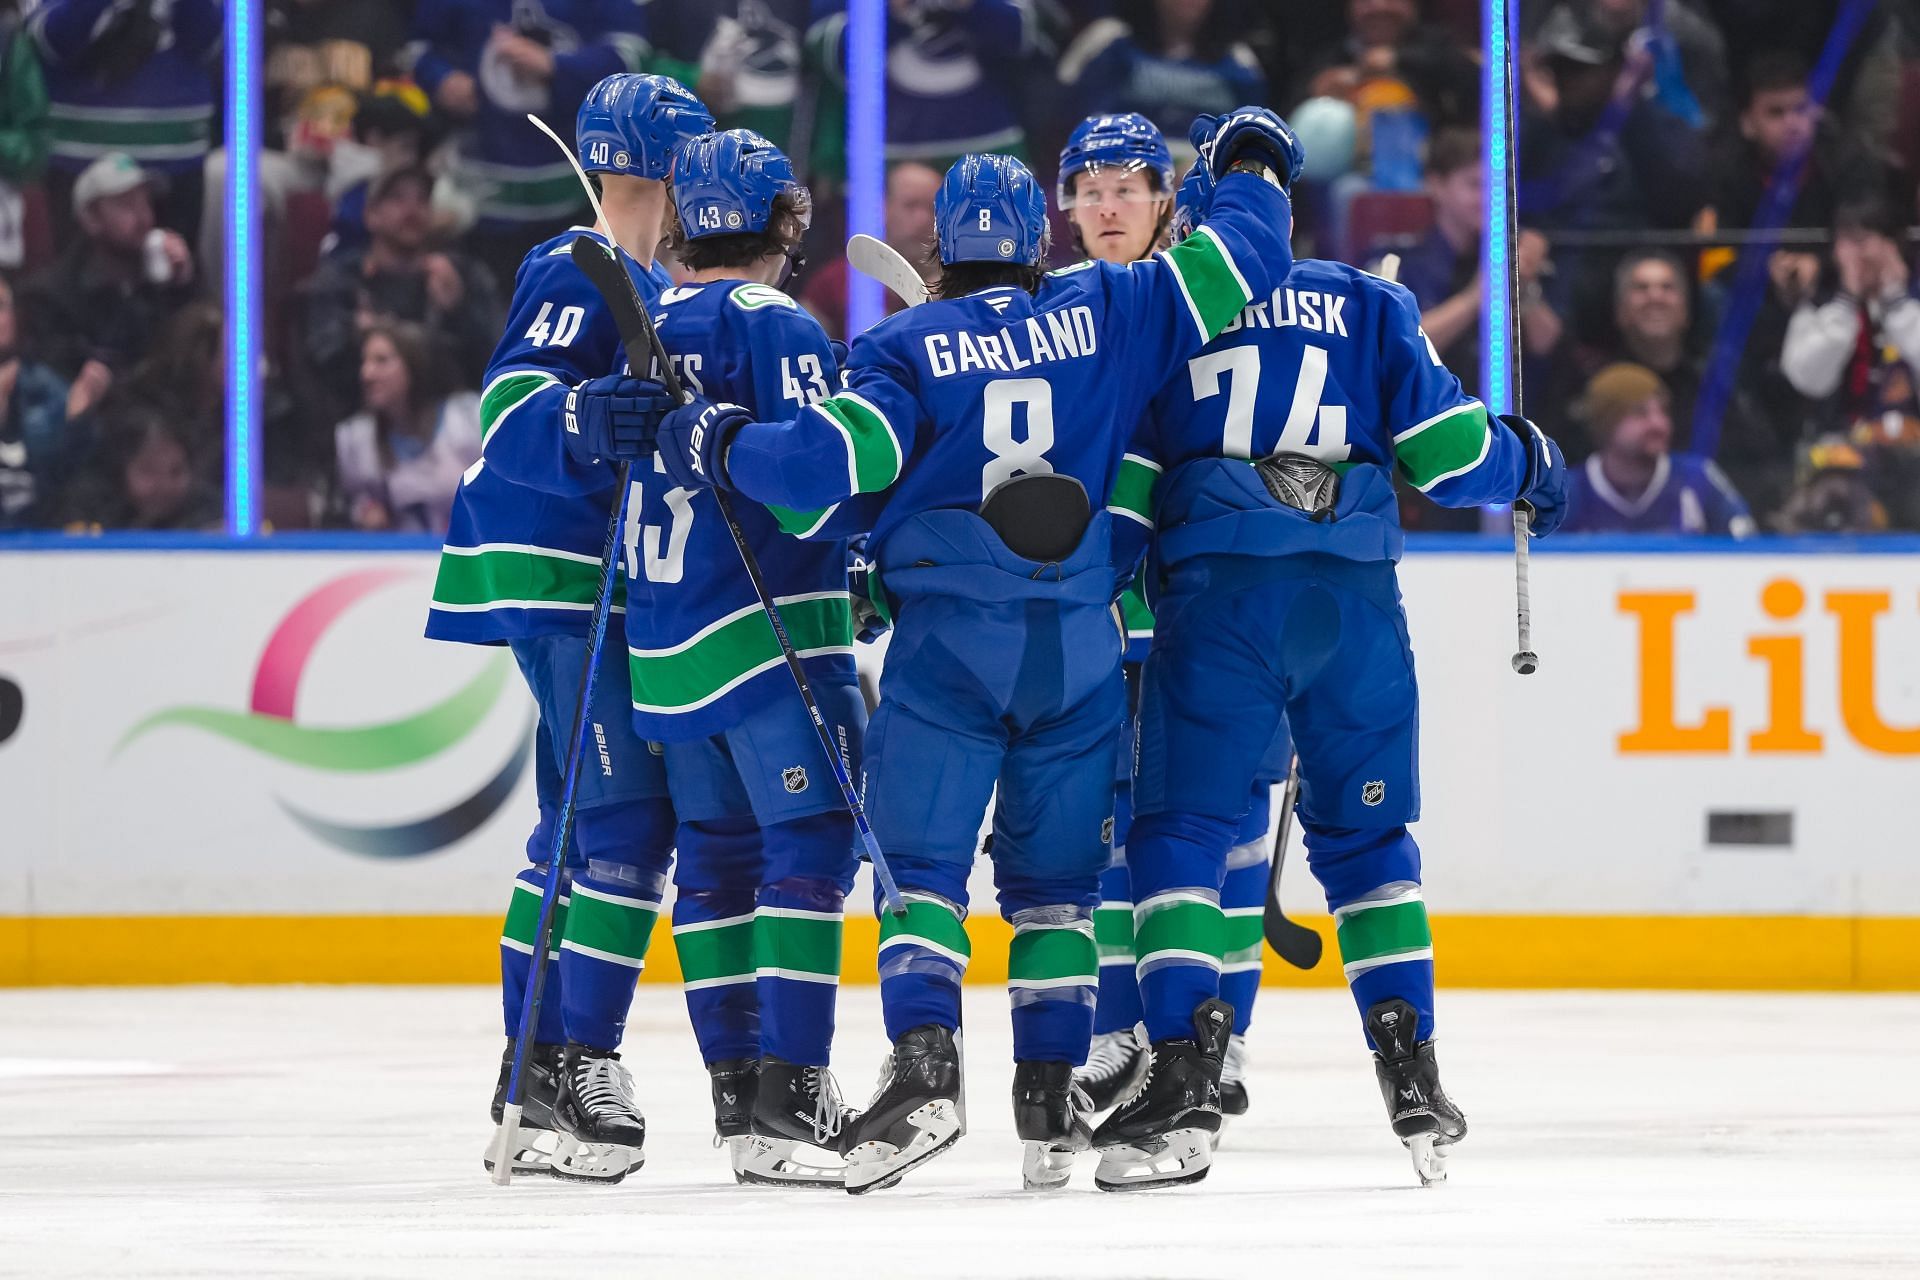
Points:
[(618, 853), (1241, 645), (767, 855)]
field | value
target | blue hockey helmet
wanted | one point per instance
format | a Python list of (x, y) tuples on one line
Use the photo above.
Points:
[(1129, 142), (724, 184), (631, 124), (990, 209)]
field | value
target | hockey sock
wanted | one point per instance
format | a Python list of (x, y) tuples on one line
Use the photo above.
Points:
[(609, 928), (1052, 977), (1179, 933), (1372, 879), (796, 955), (713, 934), (1118, 1007), (1243, 901), (923, 956), (516, 957)]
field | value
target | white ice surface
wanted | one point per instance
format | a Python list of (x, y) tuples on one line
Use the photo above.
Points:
[(338, 1131)]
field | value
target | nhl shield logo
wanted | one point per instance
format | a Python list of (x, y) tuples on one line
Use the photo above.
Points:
[(1372, 793), (795, 780)]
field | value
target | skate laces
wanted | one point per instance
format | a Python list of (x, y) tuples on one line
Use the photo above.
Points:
[(1112, 1054), (828, 1111), (604, 1084), (1234, 1067)]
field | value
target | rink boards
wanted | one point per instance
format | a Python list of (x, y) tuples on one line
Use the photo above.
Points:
[(221, 764)]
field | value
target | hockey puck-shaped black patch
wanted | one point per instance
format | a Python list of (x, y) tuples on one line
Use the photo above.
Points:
[(13, 705)]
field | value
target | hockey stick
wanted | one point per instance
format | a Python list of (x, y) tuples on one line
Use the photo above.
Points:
[(1292, 941), (1525, 660), (643, 346), (880, 260)]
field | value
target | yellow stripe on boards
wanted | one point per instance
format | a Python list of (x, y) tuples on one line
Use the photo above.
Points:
[(1725, 953)]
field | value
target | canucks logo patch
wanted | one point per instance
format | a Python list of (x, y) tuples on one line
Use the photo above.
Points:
[(1372, 793), (794, 779)]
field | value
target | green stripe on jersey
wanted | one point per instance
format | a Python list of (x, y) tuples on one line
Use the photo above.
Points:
[(1442, 447), (1243, 936), (1134, 611), (800, 524), (730, 651), (523, 917), (1113, 931), (1053, 956), (716, 952), (1376, 932), (136, 133), (506, 393), (1178, 924), (804, 944), (1212, 285), (500, 575), (873, 450), (1133, 489), (930, 922), (610, 926)]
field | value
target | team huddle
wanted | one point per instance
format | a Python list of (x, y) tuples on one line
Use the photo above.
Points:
[(1132, 525)]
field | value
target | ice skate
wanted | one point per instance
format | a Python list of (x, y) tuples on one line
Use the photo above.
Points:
[(1233, 1085), (798, 1123), (1162, 1135), (1423, 1117), (914, 1116), (733, 1081), (602, 1130), (1050, 1114), (1116, 1063), (538, 1141)]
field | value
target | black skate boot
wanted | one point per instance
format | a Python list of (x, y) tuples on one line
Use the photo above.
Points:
[(734, 1083), (1050, 1113), (915, 1114), (1162, 1135), (798, 1122), (1233, 1078), (534, 1151), (1423, 1117), (1116, 1064), (596, 1112)]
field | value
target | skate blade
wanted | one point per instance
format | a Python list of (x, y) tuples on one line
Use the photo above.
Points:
[(1046, 1166), (1214, 1138), (1429, 1158), (601, 1163), (1171, 1160), (777, 1162), (534, 1155), (875, 1166)]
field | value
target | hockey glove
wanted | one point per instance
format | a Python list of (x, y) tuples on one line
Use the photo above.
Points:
[(614, 417), (1545, 486), (1249, 133), (693, 442)]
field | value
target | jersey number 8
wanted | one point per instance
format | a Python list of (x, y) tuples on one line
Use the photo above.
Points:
[(1013, 457)]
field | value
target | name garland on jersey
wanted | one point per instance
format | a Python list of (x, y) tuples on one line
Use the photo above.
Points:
[(1067, 335)]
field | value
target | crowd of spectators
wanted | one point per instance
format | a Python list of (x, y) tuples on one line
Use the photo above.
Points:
[(1716, 296)]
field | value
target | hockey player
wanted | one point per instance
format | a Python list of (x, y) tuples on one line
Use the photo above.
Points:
[(1276, 598), (521, 568), (1116, 188), (977, 422), (766, 845)]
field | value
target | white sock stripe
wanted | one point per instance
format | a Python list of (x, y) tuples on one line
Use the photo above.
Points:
[(1239, 913), (1063, 926), (1240, 966), (1368, 904), (696, 926), (526, 948), (618, 900), (1174, 897), (538, 891), (1114, 906), (1173, 955), (635, 963), (798, 913), (924, 944), (1049, 984), (1129, 960), (730, 980), (1393, 957), (798, 975)]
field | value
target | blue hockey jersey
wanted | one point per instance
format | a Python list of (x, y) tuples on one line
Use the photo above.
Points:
[(1331, 364), (109, 89), (515, 171), (522, 556), (701, 652), (1687, 494), (947, 400)]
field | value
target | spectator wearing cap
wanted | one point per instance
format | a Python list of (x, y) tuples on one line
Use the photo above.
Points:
[(1854, 351), (35, 443), (1170, 60), (953, 73), (911, 187), (487, 64), (1779, 125), (130, 77), (398, 276), (24, 132), (94, 311), (1633, 482)]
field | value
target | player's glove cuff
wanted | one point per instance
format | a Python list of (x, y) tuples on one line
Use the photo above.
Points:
[(1544, 485), (693, 442), (1253, 135)]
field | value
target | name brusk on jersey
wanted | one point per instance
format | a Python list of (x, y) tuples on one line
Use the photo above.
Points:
[(1309, 309)]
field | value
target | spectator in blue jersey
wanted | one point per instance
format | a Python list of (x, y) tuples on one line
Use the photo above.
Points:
[(35, 439), (953, 73), (134, 77), (486, 64), (96, 309), (1170, 60), (399, 460), (398, 276), (1633, 482)]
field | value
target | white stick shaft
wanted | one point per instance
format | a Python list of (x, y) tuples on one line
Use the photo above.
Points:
[(586, 184), (506, 1141), (1520, 564)]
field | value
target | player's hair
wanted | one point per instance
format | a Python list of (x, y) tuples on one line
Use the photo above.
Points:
[(786, 227), (1451, 151), (1771, 71), (429, 376), (958, 279)]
